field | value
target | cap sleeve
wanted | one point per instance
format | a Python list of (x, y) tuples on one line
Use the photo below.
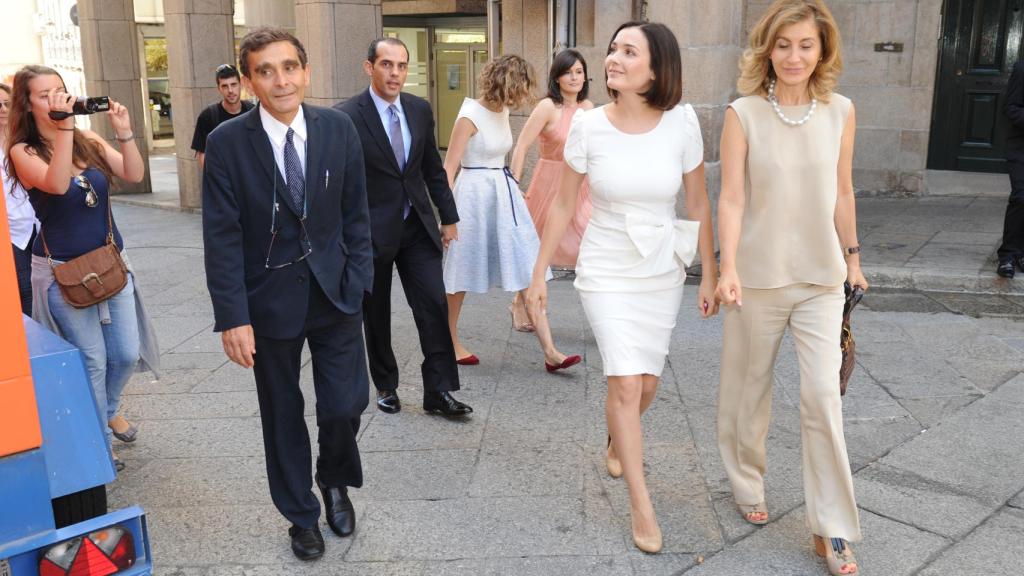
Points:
[(576, 144), (469, 110), (693, 142)]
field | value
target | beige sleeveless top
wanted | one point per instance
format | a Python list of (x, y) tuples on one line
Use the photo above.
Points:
[(789, 234)]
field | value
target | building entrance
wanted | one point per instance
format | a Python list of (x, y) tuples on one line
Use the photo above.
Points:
[(445, 57), (981, 41)]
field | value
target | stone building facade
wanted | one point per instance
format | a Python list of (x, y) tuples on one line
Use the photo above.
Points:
[(892, 54)]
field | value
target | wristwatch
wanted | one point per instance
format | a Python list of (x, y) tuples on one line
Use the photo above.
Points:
[(852, 250)]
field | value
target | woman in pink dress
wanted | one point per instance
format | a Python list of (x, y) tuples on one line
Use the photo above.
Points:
[(567, 92)]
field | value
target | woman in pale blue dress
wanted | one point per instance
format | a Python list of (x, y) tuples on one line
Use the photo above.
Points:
[(497, 243)]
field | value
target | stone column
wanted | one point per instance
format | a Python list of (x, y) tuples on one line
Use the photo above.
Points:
[(200, 37), (711, 35), (526, 30), (336, 34), (280, 13), (110, 59)]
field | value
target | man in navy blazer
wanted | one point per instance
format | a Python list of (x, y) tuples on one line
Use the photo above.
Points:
[(404, 173), (286, 231)]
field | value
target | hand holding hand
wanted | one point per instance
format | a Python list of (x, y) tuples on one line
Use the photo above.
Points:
[(449, 232), (706, 301), (240, 345), (729, 290)]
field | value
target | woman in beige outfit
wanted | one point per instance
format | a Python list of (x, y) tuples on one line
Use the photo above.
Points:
[(788, 239)]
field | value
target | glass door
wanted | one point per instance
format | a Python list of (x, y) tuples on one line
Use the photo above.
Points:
[(416, 39)]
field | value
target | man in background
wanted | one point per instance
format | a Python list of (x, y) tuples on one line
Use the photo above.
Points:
[(231, 105)]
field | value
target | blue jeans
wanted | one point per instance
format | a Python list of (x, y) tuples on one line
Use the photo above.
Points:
[(108, 336)]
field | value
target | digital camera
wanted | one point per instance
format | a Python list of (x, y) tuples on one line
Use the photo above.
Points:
[(84, 105)]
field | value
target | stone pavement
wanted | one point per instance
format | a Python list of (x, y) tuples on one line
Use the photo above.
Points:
[(933, 421)]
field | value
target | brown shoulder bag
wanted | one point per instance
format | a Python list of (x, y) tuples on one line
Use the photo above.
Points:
[(846, 342), (93, 277)]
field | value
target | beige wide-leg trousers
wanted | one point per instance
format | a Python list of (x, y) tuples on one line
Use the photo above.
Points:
[(751, 339)]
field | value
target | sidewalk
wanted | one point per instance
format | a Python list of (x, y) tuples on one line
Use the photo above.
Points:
[(943, 242), (932, 423)]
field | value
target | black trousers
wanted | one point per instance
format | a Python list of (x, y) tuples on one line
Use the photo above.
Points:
[(340, 380), (1013, 223), (23, 267), (419, 266)]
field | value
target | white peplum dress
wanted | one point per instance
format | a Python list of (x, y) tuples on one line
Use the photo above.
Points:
[(631, 266)]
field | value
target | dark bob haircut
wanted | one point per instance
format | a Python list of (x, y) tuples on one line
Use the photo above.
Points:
[(666, 63), (260, 38), (371, 51), (563, 62)]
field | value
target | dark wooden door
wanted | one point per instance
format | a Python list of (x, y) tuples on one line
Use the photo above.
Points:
[(981, 40)]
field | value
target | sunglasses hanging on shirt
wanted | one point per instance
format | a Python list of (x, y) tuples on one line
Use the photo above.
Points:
[(91, 199)]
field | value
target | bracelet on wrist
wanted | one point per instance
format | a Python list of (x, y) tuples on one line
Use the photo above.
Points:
[(128, 138), (851, 251), (72, 129)]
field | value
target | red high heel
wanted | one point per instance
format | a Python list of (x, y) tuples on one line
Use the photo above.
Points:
[(470, 360), (569, 361)]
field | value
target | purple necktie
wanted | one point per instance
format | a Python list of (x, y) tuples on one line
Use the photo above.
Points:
[(398, 147), (293, 171)]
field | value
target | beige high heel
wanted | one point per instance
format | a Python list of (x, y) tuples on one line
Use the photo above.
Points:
[(747, 510), (837, 554), (649, 544), (523, 327), (613, 464)]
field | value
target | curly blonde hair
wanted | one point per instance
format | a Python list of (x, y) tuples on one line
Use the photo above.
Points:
[(756, 66), (507, 81)]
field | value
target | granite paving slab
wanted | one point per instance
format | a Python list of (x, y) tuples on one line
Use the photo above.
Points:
[(983, 552)]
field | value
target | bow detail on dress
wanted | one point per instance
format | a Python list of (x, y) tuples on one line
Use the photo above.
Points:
[(661, 240)]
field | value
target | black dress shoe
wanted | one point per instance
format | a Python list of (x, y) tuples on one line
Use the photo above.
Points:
[(307, 543), (387, 401), (445, 404), (341, 515), (1005, 268)]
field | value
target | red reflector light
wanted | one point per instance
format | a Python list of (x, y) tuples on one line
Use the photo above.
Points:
[(48, 568), (100, 553), (123, 554), (91, 561)]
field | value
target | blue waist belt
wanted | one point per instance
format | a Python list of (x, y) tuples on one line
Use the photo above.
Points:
[(508, 173)]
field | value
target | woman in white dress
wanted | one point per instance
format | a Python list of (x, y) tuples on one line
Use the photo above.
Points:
[(631, 267), (497, 243)]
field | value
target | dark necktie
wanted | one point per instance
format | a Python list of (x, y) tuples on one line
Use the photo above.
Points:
[(293, 171), (398, 147)]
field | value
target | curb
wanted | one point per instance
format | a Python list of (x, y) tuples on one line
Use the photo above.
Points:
[(150, 204), (932, 280)]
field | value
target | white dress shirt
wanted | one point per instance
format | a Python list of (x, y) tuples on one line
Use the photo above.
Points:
[(385, 118), (278, 132)]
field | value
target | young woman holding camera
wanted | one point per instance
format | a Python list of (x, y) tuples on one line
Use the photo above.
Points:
[(68, 173)]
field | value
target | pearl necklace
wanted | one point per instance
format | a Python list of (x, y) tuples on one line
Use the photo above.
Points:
[(778, 111)]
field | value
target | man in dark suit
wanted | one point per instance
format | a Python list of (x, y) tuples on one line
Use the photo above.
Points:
[(402, 168), (288, 260), (1011, 251)]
